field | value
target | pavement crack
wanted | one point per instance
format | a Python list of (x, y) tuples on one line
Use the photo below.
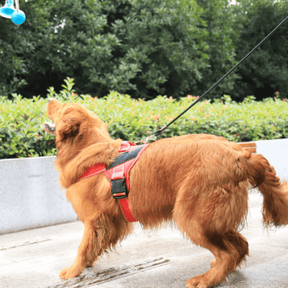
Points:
[(19, 244), (92, 277)]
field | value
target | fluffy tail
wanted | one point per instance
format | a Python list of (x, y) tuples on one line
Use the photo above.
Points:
[(275, 193)]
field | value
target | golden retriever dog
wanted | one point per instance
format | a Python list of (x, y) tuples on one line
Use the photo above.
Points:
[(200, 182)]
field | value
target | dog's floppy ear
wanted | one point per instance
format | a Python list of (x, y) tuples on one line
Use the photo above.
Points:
[(67, 127)]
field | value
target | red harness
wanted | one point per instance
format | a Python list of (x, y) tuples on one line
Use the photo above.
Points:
[(118, 176)]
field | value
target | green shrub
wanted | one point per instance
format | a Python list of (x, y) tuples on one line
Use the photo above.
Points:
[(22, 120), (21, 128)]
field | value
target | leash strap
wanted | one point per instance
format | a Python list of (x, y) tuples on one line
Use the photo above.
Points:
[(161, 130)]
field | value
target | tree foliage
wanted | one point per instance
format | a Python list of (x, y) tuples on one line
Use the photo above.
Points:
[(145, 48), (266, 70), (141, 47), (221, 50)]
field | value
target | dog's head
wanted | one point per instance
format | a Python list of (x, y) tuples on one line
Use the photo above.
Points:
[(82, 140), (73, 123)]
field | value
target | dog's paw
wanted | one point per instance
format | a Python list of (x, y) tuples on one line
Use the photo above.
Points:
[(68, 273), (213, 263), (63, 273), (196, 282)]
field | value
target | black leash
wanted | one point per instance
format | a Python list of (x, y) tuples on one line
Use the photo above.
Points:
[(161, 130)]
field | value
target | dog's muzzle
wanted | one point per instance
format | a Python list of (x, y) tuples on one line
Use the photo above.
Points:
[(50, 126)]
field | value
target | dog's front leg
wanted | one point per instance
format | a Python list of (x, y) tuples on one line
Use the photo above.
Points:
[(86, 253)]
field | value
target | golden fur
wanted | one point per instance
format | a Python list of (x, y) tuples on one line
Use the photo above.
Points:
[(199, 182)]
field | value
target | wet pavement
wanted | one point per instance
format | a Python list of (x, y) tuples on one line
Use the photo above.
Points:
[(161, 258)]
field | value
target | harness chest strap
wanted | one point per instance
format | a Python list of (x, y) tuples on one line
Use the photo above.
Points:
[(118, 174), (120, 189)]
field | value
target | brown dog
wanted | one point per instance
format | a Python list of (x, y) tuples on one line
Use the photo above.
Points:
[(198, 181)]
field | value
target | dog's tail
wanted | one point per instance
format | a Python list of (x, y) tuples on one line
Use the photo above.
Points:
[(275, 193)]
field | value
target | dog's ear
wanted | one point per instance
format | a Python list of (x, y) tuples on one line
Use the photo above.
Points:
[(68, 127)]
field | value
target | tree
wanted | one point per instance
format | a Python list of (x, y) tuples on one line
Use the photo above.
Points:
[(141, 47), (219, 18), (266, 70), (50, 45)]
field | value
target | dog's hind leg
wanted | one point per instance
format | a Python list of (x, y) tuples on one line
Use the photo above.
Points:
[(239, 243), (211, 225), (226, 257)]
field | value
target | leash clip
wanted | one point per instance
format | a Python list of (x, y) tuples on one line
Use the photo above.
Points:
[(146, 140), (158, 132)]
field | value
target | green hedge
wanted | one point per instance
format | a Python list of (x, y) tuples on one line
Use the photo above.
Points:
[(22, 134)]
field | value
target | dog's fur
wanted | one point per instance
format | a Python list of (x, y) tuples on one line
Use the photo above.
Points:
[(199, 182)]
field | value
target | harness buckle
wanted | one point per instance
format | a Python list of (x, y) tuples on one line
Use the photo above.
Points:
[(119, 188)]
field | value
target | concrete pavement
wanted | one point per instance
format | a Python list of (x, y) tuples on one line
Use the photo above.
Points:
[(162, 258)]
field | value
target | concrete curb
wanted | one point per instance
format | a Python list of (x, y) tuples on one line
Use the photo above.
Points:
[(31, 196)]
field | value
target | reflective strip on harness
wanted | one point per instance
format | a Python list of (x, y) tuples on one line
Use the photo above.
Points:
[(118, 174)]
